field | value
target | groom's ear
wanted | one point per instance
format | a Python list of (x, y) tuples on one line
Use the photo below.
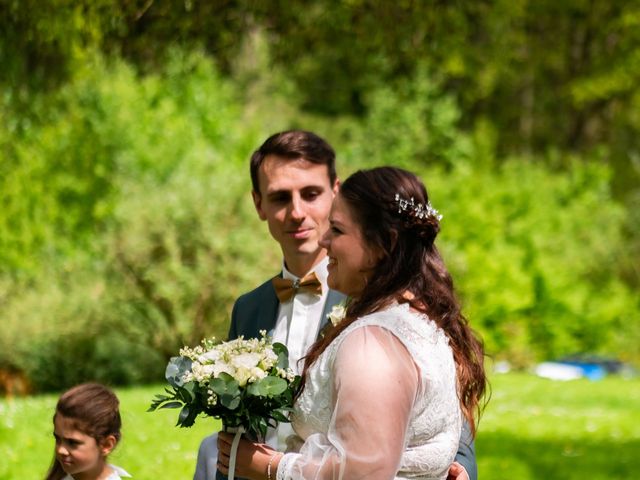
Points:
[(257, 202), (336, 187)]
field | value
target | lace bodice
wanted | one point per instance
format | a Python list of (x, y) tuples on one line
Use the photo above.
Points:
[(380, 402)]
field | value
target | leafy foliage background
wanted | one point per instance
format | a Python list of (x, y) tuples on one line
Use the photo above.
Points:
[(126, 223)]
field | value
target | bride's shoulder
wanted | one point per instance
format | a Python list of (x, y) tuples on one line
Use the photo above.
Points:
[(395, 313), (403, 321)]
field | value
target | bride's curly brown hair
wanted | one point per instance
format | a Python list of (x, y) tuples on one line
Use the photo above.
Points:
[(411, 264)]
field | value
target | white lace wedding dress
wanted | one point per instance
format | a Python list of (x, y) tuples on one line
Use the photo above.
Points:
[(379, 403)]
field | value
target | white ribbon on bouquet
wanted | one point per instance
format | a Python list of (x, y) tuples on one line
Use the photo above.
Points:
[(234, 450)]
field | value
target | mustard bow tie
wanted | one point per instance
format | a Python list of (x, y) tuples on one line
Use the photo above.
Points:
[(287, 288)]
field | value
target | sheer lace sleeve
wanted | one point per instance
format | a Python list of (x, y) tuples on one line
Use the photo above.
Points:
[(373, 385)]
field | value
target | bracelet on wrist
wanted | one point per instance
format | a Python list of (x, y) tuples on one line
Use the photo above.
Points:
[(276, 454)]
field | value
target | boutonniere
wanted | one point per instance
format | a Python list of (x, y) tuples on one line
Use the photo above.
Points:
[(337, 314)]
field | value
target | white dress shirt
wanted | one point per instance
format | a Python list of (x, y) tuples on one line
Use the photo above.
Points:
[(297, 326)]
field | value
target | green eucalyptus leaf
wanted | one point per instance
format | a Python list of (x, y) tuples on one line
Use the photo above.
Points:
[(225, 385), (176, 368), (283, 355), (267, 387), (228, 391), (230, 401)]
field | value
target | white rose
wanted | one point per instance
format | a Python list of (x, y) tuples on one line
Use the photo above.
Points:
[(258, 373), (242, 376), (221, 367), (209, 357), (246, 360)]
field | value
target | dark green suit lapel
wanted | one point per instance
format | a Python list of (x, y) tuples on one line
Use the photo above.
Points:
[(254, 311)]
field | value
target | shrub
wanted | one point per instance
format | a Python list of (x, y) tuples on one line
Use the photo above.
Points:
[(137, 187), (534, 249)]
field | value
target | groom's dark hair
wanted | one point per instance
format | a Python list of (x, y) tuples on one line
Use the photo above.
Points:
[(294, 144)]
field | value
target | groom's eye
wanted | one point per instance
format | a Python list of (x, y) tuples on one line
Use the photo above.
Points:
[(311, 194), (279, 198)]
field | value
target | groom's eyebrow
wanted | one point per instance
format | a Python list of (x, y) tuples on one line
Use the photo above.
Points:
[(270, 193), (279, 195), (287, 193)]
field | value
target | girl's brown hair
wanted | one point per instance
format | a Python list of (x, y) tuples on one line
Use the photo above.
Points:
[(410, 263), (95, 411)]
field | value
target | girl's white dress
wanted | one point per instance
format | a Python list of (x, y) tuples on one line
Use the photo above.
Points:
[(117, 474), (380, 402)]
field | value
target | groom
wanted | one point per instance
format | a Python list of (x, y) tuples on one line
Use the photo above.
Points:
[(294, 181)]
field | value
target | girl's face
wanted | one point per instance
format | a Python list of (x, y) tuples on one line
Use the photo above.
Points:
[(78, 453), (351, 260)]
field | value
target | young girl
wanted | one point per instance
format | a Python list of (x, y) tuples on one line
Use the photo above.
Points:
[(86, 427)]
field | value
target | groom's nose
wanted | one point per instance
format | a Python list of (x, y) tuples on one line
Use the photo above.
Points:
[(297, 209)]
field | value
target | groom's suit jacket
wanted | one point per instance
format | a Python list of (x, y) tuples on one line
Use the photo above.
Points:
[(258, 310)]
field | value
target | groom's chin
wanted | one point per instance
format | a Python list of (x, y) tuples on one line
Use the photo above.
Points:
[(305, 246)]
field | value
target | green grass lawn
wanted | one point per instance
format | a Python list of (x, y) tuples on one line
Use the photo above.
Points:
[(152, 447), (532, 429), (535, 428)]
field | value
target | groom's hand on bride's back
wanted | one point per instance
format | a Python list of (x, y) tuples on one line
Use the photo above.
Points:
[(457, 472)]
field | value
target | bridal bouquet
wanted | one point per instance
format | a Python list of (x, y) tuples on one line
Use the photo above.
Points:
[(246, 383)]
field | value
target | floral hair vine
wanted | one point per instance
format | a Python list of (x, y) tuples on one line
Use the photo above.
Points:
[(417, 209)]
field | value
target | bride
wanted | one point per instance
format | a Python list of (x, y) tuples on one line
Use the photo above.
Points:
[(385, 391)]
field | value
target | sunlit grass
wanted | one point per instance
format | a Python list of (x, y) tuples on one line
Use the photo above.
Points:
[(532, 429), (535, 428), (152, 446)]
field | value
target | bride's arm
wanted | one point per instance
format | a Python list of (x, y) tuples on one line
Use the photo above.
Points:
[(375, 385)]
